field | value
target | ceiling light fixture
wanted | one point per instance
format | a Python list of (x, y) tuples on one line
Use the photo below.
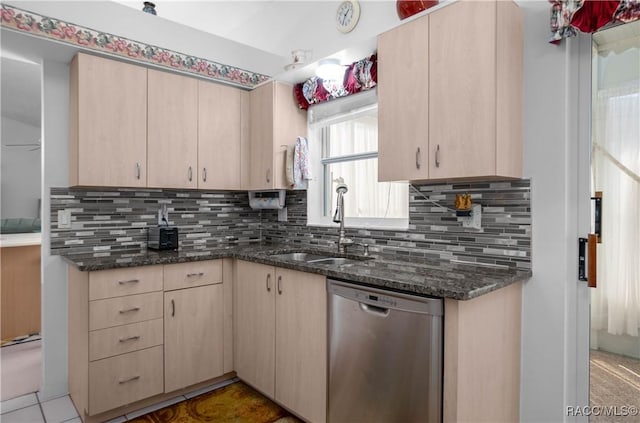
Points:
[(330, 70)]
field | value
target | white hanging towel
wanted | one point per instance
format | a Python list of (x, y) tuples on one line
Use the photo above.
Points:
[(301, 168), (288, 166)]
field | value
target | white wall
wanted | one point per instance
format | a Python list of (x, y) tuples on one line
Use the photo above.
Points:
[(552, 343), (19, 170), (55, 165)]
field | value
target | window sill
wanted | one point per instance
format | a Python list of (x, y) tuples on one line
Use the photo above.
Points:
[(371, 224)]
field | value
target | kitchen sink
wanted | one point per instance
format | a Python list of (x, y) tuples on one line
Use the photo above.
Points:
[(336, 261), (306, 257), (314, 258)]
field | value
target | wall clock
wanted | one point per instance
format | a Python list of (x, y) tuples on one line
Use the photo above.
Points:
[(347, 15)]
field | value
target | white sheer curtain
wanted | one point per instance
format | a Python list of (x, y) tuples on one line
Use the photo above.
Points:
[(368, 198), (615, 303)]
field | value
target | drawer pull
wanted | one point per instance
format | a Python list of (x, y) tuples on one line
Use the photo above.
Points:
[(190, 275), (129, 281), (131, 379), (131, 338), (129, 310)]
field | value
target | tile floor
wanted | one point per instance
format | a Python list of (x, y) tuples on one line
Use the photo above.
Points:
[(29, 408), (20, 368)]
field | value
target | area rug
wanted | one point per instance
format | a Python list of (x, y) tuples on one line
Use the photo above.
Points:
[(615, 382), (236, 403)]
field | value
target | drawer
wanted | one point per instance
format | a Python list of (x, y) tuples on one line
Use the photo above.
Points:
[(105, 343), (195, 273), (124, 310), (121, 282), (124, 379)]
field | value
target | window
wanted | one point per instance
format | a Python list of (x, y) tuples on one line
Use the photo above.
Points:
[(344, 149)]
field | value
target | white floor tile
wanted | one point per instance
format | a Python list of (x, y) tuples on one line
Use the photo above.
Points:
[(59, 410), (30, 414), (74, 420), (209, 388), (155, 407), (21, 369), (120, 419), (17, 403)]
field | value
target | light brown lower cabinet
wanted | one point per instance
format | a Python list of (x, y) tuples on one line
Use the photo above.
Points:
[(193, 333), (281, 336), (139, 333)]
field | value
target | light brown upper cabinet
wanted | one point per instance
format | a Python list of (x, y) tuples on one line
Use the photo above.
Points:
[(220, 135), (474, 99), (403, 106), (172, 122), (108, 131), (275, 122)]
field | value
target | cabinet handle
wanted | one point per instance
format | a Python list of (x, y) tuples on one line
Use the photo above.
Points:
[(173, 308), (131, 338), (190, 174), (438, 156), (418, 158), (268, 282), (129, 310), (204, 174), (268, 175), (131, 379), (138, 170), (279, 283), (190, 275), (129, 281)]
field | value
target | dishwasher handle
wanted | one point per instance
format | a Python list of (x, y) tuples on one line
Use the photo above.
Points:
[(375, 310)]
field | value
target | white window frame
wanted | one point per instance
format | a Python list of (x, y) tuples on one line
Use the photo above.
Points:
[(318, 118)]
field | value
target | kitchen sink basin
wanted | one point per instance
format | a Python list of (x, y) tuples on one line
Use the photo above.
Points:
[(336, 261), (306, 257), (314, 258)]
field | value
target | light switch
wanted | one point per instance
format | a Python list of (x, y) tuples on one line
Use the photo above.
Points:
[(64, 219)]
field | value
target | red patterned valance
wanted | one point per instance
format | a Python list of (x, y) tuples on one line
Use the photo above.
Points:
[(569, 16), (359, 76)]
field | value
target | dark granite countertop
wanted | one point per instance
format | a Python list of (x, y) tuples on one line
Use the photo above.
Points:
[(439, 278)]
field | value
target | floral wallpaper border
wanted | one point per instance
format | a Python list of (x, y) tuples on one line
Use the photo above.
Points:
[(86, 38)]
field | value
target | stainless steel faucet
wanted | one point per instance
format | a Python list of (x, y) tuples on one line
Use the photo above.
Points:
[(338, 217)]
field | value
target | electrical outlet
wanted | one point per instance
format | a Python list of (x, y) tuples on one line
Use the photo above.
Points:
[(475, 220), (64, 219)]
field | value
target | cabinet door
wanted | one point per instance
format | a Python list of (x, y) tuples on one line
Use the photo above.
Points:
[(254, 314), (462, 97), (173, 131), (301, 343), (403, 102), (108, 131), (193, 335), (219, 126), (261, 137)]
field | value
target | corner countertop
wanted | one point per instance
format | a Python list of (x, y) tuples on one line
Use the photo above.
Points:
[(20, 240), (420, 276)]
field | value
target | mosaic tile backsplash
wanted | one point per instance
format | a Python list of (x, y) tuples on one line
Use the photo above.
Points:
[(105, 220), (434, 232)]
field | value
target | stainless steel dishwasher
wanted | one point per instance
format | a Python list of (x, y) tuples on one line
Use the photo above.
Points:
[(385, 355)]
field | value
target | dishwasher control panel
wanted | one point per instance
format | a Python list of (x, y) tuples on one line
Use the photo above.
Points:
[(386, 299), (377, 299)]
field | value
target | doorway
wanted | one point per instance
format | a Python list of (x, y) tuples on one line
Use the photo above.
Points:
[(20, 240), (614, 361)]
